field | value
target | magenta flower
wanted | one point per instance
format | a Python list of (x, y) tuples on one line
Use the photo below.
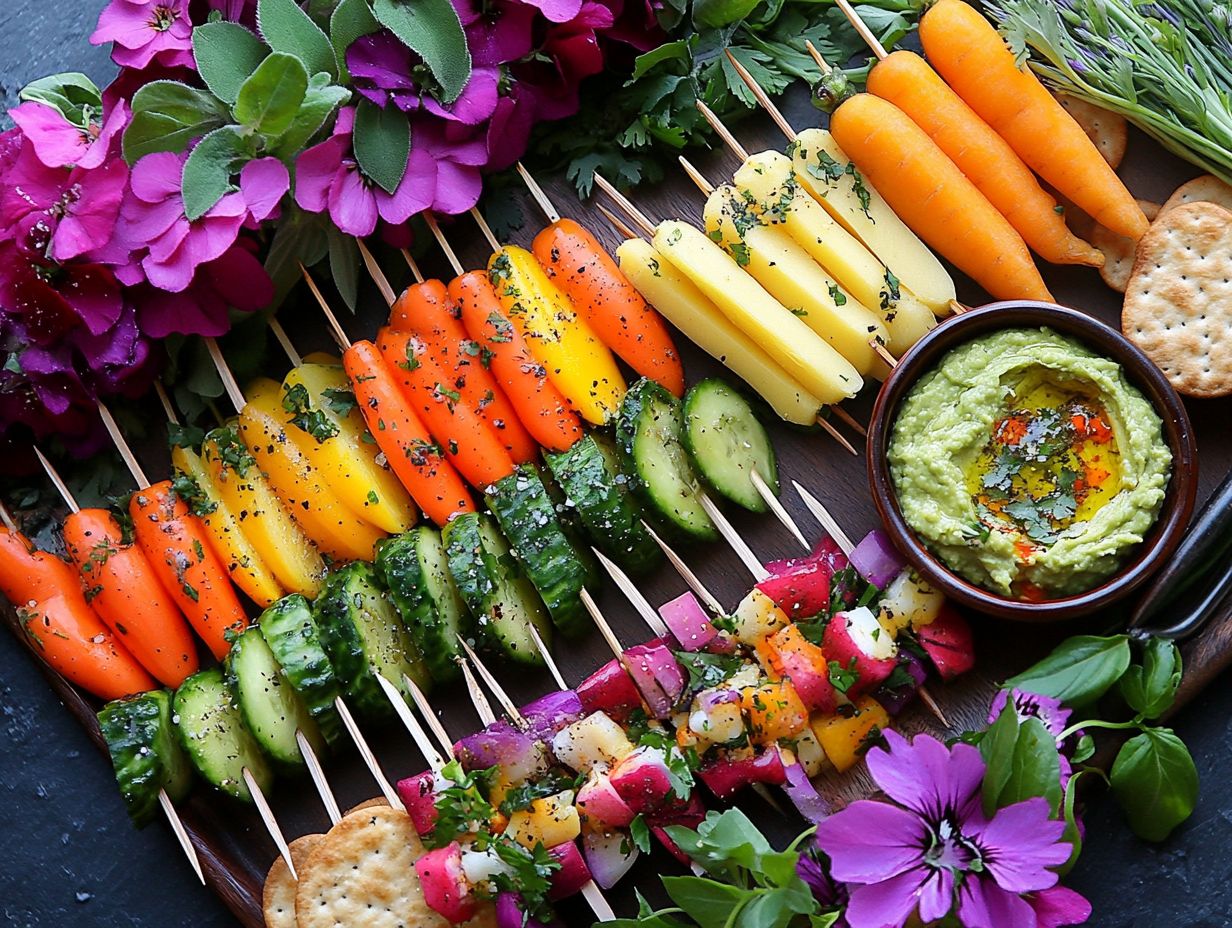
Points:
[(446, 159), (1032, 706), (143, 31), (931, 849), (498, 31), (58, 143)]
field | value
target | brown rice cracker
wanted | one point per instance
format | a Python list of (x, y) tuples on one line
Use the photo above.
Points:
[(1178, 305), (1119, 251), (1205, 189), (1107, 130), (278, 896)]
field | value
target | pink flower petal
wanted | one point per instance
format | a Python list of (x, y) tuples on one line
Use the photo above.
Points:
[(1020, 844), (476, 102), (926, 776), (262, 183), (352, 205), (1058, 907), (315, 171), (56, 141), (240, 279), (983, 904), (887, 904), (414, 193), (157, 177), (936, 895), (871, 841), (90, 218), (557, 11), (457, 188)]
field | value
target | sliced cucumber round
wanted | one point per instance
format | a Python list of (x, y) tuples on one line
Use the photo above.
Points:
[(145, 752), (272, 709), (558, 569), (727, 442), (650, 444), (292, 636), (599, 494), (502, 600), (415, 569), (212, 731)]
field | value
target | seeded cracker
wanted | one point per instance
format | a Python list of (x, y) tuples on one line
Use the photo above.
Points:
[(1106, 129), (368, 804), (1119, 251), (1178, 305), (1205, 189), (278, 897)]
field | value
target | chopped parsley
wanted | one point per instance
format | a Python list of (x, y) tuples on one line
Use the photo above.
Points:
[(297, 401), (338, 401), (843, 678), (708, 670)]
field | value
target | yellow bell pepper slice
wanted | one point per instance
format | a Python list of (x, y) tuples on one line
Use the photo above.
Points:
[(847, 736), (319, 404), (279, 450), (550, 821), (775, 711), (205, 500), (578, 364), (260, 514)]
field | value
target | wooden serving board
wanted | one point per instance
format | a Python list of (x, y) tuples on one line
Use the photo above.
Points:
[(235, 851)]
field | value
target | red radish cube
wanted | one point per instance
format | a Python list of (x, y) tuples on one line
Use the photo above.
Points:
[(642, 780), (610, 689), (857, 643), (727, 776), (599, 802), (799, 586), (573, 873), (948, 642), (444, 884), (688, 622), (419, 797)]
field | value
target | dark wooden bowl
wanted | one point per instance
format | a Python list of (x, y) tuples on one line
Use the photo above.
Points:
[(1178, 504)]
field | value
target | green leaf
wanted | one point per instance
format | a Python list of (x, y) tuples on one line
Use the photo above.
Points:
[(167, 116), (320, 102), (226, 53), (1035, 768), (208, 170), (382, 141), (270, 99), (1072, 833), (344, 266), (639, 831), (997, 749), (287, 28), (1079, 671), (300, 237), (707, 902), (1084, 750), (680, 50), (432, 30), (1156, 783), (73, 94), (352, 19), (715, 14), (1150, 688)]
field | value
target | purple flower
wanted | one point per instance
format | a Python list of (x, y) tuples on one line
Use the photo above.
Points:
[(497, 32), (1059, 906), (143, 31), (446, 158), (58, 143), (931, 849), (1032, 706)]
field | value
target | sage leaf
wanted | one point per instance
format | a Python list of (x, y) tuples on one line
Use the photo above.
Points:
[(1156, 782), (1150, 688), (320, 102), (1079, 671), (167, 116), (707, 902), (287, 28), (300, 237), (72, 93), (208, 170), (352, 19), (382, 141), (226, 53), (270, 99), (344, 265), (432, 30)]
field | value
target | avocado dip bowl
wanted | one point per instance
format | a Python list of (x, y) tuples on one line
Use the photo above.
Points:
[(1031, 462)]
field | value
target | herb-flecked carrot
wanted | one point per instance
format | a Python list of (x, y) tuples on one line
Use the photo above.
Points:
[(972, 57), (427, 310), (180, 553), (122, 587), (433, 483), (580, 266), (467, 441), (906, 80), (539, 405), (28, 575), (932, 196)]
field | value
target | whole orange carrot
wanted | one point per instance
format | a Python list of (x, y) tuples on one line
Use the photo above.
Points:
[(932, 196), (906, 80), (967, 51)]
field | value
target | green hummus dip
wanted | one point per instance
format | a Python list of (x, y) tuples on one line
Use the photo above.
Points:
[(1029, 464)]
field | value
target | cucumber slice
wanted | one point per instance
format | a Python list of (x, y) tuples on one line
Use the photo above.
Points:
[(727, 442), (558, 569), (503, 601), (364, 636), (212, 732), (650, 444), (292, 636), (599, 494), (415, 569), (145, 752), (271, 708)]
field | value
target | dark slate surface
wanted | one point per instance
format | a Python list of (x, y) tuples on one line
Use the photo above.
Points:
[(68, 856)]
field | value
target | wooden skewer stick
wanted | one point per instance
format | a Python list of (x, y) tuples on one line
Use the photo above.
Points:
[(317, 773), (694, 582), (485, 228), (271, 823), (861, 27), (117, 438), (417, 732), (616, 222), (7, 518), (817, 59), (335, 329), (547, 658), (230, 384), (480, 701), (638, 217), (767, 495), (537, 193), (501, 696), (695, 175), (281, 335), (450, 255), (375, 272), (365, 751), (410, 259), (763, 99), (425, 709), (732, 537), (633, 594), (883, 353)]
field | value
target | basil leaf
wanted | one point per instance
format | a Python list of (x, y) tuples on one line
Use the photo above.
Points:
[(1084, 750), (1150, 688), (639, 831), (226, 53), (320, 101), (287, 28), (997, 749), (1079, 671), (344, 265), (382, 141), (270, 99), (707, 902), (432, 30), (167, 116), (1156, 782), (774, 908), (1035, 768), (352, 19), (1072, 833), (208, 170)]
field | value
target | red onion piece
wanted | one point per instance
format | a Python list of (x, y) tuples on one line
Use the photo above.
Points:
[(417, 795), (876, 559), (658, 675), (687, 620), (803, 795), (609, 855), (548, 714)]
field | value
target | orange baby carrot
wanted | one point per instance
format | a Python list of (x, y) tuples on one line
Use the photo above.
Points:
[(969, 53), (412, 454), (932, 196), (540, 406), (580, 266), (906, 80), (180, 553), (122, 587), (468, 443), (28, 575), (426, 309)]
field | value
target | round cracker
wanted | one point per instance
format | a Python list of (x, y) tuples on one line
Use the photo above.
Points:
[(1205, 189), (278, 896), (1178, 305), (363, 873), (1119, 251), (1107, 130), (367, 804)]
